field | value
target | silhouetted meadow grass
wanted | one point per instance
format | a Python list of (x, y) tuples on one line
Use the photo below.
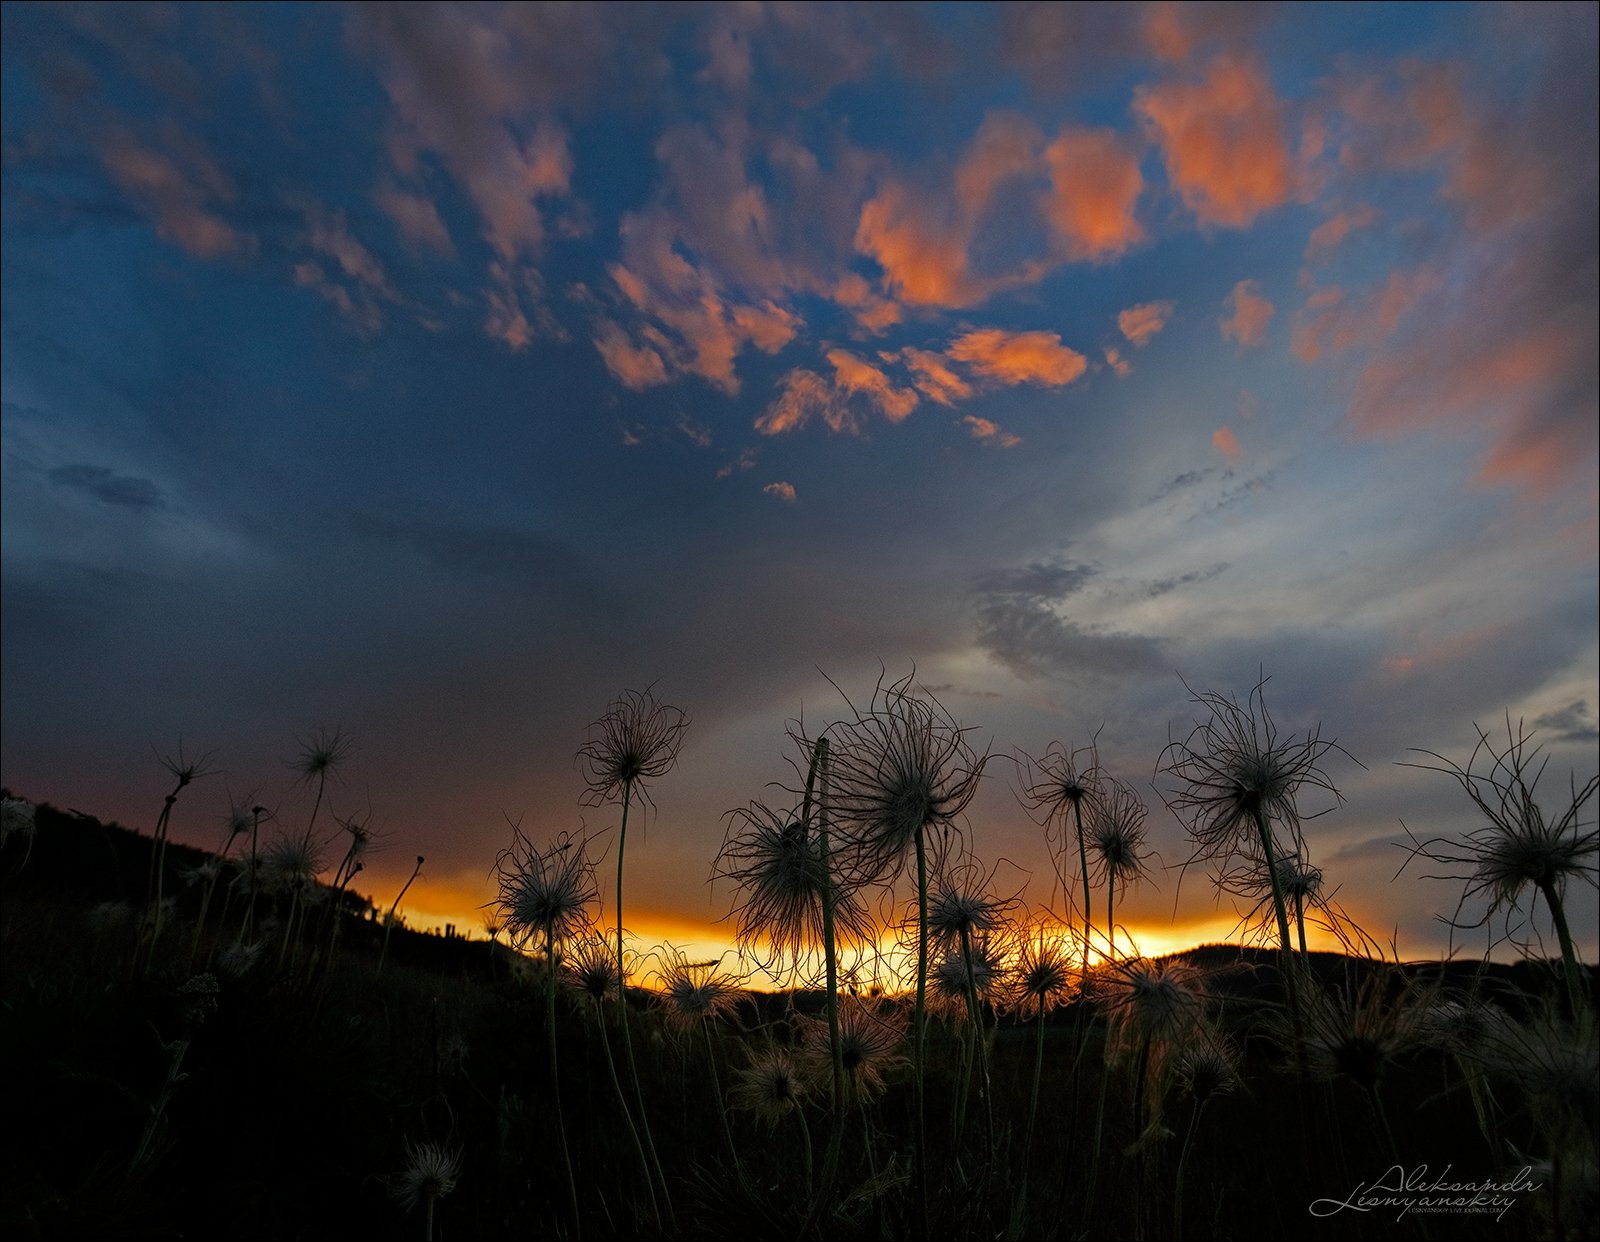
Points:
[(269, 1057)]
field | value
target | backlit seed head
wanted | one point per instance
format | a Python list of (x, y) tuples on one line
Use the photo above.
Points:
[(870, 1035), (430, 1174), (1518, 849), (695, 992), (1236, 772), (1045, 975), (772, 1086), (1115, 833), (636, 741), (902, 770), (776, 860), (545, 892), (590, 966)]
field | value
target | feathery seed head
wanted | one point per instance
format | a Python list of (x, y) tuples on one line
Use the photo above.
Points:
[(870, 1034), (292, 863), (695, 992), (1236, 771), (1115, 834), (1208, 1066), (901, 770), (17, 819), (1146, 998), (983, 968), (1045, 975), (771, 1087), (430, 1174), (637, 740), (1359, 1032), (1551, 1057), (236, 960), (782, 876), (321, 754), (962, 902), (545, 894), (186, 769), (1061, 782), (1519, 846)]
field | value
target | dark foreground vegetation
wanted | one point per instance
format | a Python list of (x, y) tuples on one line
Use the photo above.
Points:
[(238, 1045), (189, 1092)]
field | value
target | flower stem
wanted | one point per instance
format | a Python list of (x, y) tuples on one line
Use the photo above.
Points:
[(1569, 957), (622, 1008), (555, 1073), (918, 1045), (1289, 965), (627, 1115)]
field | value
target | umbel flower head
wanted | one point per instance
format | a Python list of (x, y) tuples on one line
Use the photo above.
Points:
[(775, 859), (902, 770), (1519, 847), (545, 893), (1240, 778), (636, 741)]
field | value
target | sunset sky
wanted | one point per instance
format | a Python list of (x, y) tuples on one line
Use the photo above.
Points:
[(437, 373)]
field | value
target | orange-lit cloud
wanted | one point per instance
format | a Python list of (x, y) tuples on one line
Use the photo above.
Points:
[(507, 322), (1117, 362), (634, 366), (1095, 185), (802, 395), (1251, 312), (1226, 443), (769, 327), (693, 326), (932, 377), (179, 190), (988, 430), (1141, 324), (1329, 323), (1222, 140), (1019, 357), (415, 218), (923, 240), (872, 312), (1511, 388), (783, 491), (1402, 119), (856, 375), (1330, 234), (1167, 32), (922, 265)]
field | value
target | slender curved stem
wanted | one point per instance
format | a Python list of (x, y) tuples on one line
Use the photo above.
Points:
[(555, 1073), (918, 1046), (622, 1010)]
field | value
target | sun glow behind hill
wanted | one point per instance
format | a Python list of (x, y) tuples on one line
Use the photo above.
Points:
[(892, 964)]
